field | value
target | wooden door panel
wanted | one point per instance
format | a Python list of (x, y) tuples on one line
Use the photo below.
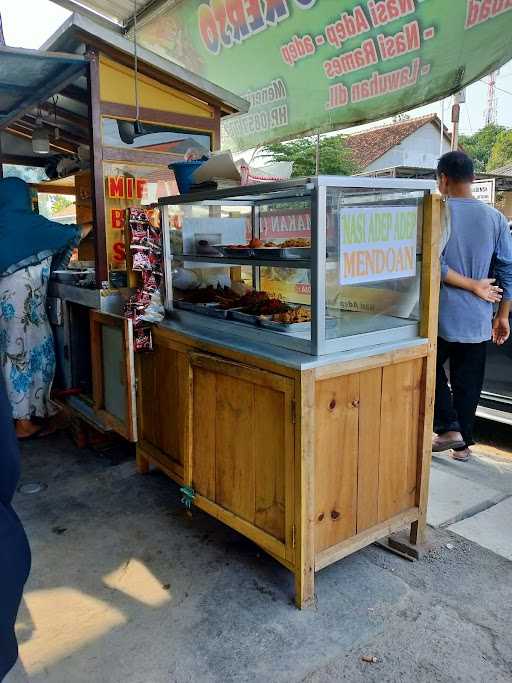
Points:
[(336, 448), (370, 394), (204, 399), (164, 402), (401, 390), (235, 446), (242, 442), (270, 465)]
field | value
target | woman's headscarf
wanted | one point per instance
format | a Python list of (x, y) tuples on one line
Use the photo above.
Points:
[(25, 237)]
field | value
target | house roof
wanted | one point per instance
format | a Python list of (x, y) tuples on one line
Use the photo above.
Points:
[(370, 145), (503, 170), (118, 12)]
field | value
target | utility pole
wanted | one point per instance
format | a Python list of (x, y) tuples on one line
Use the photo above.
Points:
[(441, 139), (317, 157), (458, 99), (491, 113), (2, 39)]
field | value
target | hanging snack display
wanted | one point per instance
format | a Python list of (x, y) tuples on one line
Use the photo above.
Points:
[(145, 306)]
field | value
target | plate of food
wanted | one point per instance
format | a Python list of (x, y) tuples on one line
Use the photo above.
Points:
[(296, 319), (289, 249)]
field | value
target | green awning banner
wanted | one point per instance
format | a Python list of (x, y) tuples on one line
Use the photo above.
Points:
[(307, 65)]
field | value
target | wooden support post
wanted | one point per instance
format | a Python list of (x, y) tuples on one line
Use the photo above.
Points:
[(430, 277), (305, 491), (141, 462), (98, 189)]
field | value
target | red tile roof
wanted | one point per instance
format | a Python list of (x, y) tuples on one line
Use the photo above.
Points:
[(370, 145)]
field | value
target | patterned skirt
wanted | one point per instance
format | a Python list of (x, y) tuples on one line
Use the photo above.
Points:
[(27, 354)]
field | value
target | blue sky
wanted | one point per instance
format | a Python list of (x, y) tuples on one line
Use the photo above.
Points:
[(45, 18)]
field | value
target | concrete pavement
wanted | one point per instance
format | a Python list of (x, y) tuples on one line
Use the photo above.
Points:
[(127, 588), (474, 499)]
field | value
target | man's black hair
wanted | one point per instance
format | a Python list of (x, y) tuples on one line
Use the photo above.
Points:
[(456, 166)]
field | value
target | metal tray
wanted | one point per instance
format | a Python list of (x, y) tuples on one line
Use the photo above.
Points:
[(286, 253), (267, 322), (270, 324), (208, 250), (195, 308), (236, 314), (236, 253), (297, 252), (268, 253), (215, 311)]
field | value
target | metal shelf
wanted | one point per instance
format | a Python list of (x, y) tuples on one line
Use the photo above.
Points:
[(231, 260)]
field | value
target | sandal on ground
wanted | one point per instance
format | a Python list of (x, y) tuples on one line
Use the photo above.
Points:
[(461, 456), (439, 444), (35, 435)]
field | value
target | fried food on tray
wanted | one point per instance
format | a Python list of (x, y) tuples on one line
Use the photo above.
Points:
[(209, 295), (301, 314), (296, 243), (266, 307)]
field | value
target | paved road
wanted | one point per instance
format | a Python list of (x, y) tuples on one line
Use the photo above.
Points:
[(494, 438), (126, 588)]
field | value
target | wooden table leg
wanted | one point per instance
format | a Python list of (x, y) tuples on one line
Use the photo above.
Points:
[(142, 463), (428, 328), (305, 492)]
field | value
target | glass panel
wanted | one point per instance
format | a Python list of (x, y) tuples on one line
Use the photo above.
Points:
[(373, 268), (286, 224), (154, 138), (268, 238)]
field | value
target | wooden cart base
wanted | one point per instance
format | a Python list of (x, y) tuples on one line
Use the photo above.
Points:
[(310, 465)]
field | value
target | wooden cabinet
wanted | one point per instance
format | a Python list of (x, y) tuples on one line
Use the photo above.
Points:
[(310, 465), (242, 440)]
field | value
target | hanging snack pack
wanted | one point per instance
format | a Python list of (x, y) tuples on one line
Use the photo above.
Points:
[(146, 248)]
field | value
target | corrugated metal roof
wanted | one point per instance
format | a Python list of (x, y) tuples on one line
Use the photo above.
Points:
[(119, 11), (28, 77)]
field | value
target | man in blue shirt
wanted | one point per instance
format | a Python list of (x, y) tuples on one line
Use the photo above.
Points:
[(479, 242)]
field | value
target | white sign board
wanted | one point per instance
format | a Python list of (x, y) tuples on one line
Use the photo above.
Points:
[(377, 243), (484, 190), (213, 230)]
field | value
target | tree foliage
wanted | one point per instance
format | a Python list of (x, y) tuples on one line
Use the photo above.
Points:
[(501, 153), (335, 156), (479, 145), (59, 202)]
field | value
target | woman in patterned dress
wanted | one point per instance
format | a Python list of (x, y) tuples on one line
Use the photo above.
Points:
[(30, 247)]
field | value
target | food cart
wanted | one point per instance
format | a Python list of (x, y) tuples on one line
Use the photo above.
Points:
[(289, 391), (111, 133)]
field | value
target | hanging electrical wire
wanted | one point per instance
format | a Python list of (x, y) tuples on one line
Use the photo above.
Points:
[(138, 128)]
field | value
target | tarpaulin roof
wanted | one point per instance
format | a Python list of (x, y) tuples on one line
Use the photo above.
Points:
[(28, 77)]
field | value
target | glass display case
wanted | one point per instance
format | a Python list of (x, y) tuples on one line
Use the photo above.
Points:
[(317, 265)]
